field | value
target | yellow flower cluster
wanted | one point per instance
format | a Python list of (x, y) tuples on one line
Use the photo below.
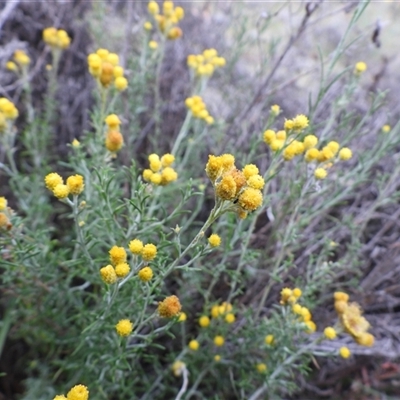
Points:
[(148, 253), (169, 307), (8, 113), (56, 38), (114, 139), (74, 185), (223, 310), (205, 64), (198, 108), (325, 157), (118, 268), (19, 61), (240, 187), (104, 66), (351, 319), (297, 124), (78, 392), (160, 171), (168, 20), (290, 297)]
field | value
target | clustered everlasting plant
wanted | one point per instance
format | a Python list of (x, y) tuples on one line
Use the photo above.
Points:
[(128, 278)]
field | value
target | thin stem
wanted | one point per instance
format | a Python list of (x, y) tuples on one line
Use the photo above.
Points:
[(81, 240), (185, 374), (182, 133)]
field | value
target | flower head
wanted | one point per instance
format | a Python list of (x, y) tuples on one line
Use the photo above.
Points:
[(226, 188), (261, 368), (320, 173), (61, 191), (169, 307), (114, 141), (297, 292), (219, 340), (300, 122), (5, 222), (117, 255), (204, 321), (78, 392), (153, 45), (275, 109), (145, 274), (3, 203), (269, 136), (52, 180), (122, 269), (341, 296), (256, 182), (311, 155), (360, 67), (21, 58), (56, 38), (365, 339), (124, 327), (344, 352), (149, 252), (386, 128), (214, 240), (182, 317), (230, 318), (269, 339), (178, 367), (108, 274), (153, 8), (345, 154), (167, 160), (353, 321), (330, 333), (136, 246), (194, 345), (11, 66), (121, 83), (168, 175), (112, 121), (75, 184), (214, 167), (310, 141), (286, 293), (250, 199), (250, 170)]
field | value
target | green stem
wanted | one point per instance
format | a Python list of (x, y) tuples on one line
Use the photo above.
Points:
[(182, 133)]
